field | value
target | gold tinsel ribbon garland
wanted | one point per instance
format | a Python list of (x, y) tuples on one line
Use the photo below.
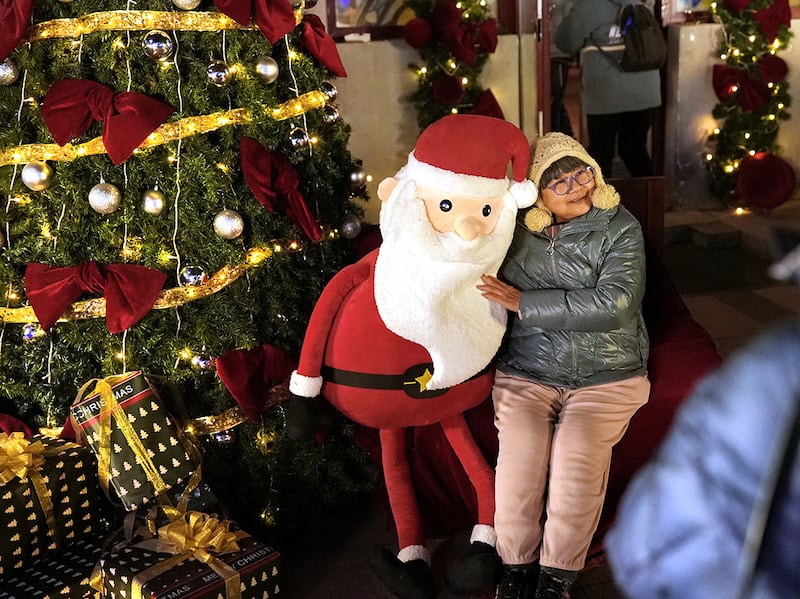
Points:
[(168, 132), (194, 535), (23, 459), (169, 298)]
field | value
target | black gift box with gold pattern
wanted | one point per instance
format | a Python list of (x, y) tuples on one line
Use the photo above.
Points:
[(141, 453), (49, 497), (145, 571), (64, 576)]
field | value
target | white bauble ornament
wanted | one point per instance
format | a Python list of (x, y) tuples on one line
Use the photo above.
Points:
[(37, 175), (186, 4), (219, 73), (153, 201), (267, 68), (228, 224), (9, 71), (104, 198), (158, 45)]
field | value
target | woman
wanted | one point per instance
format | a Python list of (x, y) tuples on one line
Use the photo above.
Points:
[(572, 370)]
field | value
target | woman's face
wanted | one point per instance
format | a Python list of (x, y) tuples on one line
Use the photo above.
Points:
[(577, 199)]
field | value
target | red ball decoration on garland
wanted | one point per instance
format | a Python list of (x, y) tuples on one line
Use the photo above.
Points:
[(447, 90), (737, 4), (765, 181), (418, 33)]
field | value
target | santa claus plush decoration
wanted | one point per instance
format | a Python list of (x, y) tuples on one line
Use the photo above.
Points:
[(403, 338)]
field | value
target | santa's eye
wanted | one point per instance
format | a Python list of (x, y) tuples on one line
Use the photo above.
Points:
[(445, 205), (487, 210)]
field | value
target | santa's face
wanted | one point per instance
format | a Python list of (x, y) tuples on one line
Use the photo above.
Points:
[(425, 280), (468, 217)]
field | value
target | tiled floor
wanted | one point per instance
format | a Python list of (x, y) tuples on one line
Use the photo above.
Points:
[(728, 291)]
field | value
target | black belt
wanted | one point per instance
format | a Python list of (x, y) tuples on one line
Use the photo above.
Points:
[(413, 381)]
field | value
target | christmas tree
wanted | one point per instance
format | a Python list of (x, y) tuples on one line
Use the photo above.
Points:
[(178, 191)]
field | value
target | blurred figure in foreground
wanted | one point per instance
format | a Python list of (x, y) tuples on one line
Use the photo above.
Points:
[(715, 513)]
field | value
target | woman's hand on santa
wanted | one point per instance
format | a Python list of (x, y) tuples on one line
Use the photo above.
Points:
[(496, 291)]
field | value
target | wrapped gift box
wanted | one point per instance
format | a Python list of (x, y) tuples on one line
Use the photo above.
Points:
[(147, 455), (57, 501), (256, 564), (63, 576)]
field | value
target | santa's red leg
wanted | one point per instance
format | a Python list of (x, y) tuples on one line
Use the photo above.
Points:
[(475, 465), (400, 487)]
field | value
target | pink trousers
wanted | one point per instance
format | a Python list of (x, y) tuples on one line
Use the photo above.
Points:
[(552, 468)]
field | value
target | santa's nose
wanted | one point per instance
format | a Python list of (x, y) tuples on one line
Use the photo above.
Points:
[(469, 227)]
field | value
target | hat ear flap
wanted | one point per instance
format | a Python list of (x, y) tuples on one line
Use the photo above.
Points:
[(537, 218), (605, 196)]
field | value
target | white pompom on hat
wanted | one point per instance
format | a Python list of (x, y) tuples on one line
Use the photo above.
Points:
[(548, 149), (469, 154)]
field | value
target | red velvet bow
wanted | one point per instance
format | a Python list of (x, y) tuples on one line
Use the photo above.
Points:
[(249, 373), (275, 18), (752, 94), (15, 15), (71, 105), (773, 17), (772, 69), (273, 181), (130, 290), (487, 105), (321, 46)]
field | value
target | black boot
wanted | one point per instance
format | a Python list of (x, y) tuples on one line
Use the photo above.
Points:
[(475, 568), (406, 580), (518, 582), (554, 583)]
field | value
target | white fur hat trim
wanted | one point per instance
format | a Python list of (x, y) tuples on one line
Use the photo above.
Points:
[(456, 183)]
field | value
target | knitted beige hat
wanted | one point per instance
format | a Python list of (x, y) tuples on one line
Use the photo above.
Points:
[(549, 148)]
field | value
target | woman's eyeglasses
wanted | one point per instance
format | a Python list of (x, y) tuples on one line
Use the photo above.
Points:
[(563, 186)]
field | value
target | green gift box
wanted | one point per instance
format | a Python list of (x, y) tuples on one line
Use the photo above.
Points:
[(145, 570), (141, 452), (49, 498), (66, 575)]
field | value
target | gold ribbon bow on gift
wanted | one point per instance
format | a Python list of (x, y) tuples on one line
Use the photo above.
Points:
[(194, 536), (19, 458)]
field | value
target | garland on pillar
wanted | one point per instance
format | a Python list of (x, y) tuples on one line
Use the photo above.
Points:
[(454, 40), (753, 98)]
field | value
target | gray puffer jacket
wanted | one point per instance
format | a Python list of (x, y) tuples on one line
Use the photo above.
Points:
[(580, 320)]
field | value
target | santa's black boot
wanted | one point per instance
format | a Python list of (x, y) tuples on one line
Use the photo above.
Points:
[(475, 568), (406, 580)]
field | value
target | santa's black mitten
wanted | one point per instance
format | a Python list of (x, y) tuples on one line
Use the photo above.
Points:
[(302, 417)]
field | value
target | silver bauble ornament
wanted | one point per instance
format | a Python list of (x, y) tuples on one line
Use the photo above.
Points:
[(267, 68), (202, 362), (351, 226), (153, 201), (228, 224), (37, 175), (158, 45), (219, 73), (192, 276), (223, 438), (358, 177), (9, 71), (31, 332), (298, 138), (104, 198), (329, 89), (330, 115), (186, 4)]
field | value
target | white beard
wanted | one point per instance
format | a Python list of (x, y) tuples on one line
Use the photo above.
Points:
[(425, 287)]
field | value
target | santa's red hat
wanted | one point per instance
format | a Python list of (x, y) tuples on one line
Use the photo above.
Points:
[(469, 154)]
